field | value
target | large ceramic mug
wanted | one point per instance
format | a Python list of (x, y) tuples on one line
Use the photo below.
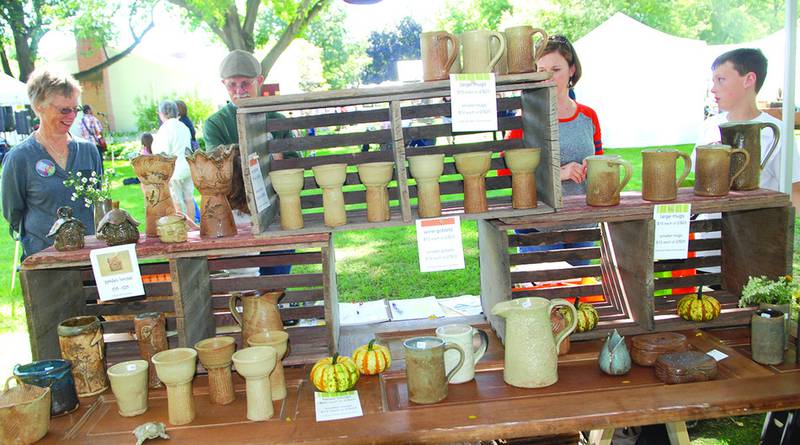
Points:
[(427, 380), (519, 48), (463, 335), (439, 51), (712, 172), (659, 167), (477, 47), (602, 179)]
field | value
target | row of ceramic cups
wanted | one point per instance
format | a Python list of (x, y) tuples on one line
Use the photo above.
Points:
[(480, 51)]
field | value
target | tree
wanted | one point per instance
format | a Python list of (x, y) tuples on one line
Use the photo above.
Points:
[(389, 46), (458, 16)]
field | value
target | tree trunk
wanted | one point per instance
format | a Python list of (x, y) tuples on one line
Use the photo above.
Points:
[(25, 56), (4, 59)]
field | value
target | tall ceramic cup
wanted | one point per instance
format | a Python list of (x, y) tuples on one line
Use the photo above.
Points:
[(712, 174), (176, 368), (477, 54), (766, 336), (81, 342), (519, 48), (215, 354), (523, 162), (439, 51), (425, 370), (602, 179), (129, 384), (288, 184), (659, 172), (254, 364), (473, 167), (376, 176), (426, 170), (747, 136), (151, 335), (464, 336), (330, 178), (278, 340)]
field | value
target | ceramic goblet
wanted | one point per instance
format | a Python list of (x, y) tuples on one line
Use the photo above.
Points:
[(280, 341), (523, 162), (175, 368), (426, 170), (287, 184), (129, 384), (331, 178), (215, 354), (154, 172), (376, 176), (473, 166), (255, 364)]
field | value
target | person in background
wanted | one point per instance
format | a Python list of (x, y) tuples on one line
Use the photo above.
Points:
[(173, 139), (35, 170), (92, 129), (147, 144), (183, 117)]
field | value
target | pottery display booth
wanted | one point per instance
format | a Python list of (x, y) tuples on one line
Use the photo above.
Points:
[(426, 170), (129, 384), (288, 184), (330, 178), (176, 368), (279, 340), (151, 336), (376, 176), (211, 173), (659, 172), (712, 176), (154, 172), (254, 364), (523, 162), (215, 355), (259, 312), (81, 342), (473, 167)]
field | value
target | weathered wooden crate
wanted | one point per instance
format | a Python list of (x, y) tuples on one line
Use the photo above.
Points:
[(753, 236), (375, 118)]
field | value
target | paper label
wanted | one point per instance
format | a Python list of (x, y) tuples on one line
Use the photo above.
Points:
[(672, 231), (131, 367), (473, 102), (116, 272), (257, 181), (717, 355), (337, 405), (439, 244)]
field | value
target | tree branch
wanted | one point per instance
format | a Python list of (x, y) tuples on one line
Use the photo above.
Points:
[(291, 31), (4, 59), (250, 15), (208, 22), (117, 57)]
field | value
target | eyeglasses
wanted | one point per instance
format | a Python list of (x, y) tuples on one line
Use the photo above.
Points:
[(236, 86), (68, 110)]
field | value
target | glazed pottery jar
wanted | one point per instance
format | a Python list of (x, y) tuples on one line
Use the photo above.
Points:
[(473, 167), (288, 184), (215, 355), (172, 229), (176, 368), (614, 358), (254, 364), (439, 50), (154, 173), (67, 231), (519, 48), (478, 56), (81, 342), (602, 179), (56, 375), (129, 384), (330, 178), (523, 162), (747, 136), (376, 176), (767, 336), (426, 170), (212, 172), (259, 312), (659, 173), (151, 336), (712, 172), (425, 369), (462, 335), (279, 340)]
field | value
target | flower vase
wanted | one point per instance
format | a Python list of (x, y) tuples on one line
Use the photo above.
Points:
[(100, 209), (154, 172), (212, 173)]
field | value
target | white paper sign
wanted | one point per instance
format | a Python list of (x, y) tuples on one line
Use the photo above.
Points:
[(116, 271), (717, 355), (257, 180), (474, 102), (439, 244), (672, 231), (337, 405)]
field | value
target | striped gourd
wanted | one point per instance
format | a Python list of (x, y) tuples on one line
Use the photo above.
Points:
[(334, 374), (694, 307), (372, 358), (587, 316)]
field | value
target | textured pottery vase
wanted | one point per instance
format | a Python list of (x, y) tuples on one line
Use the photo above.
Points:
[(211, 173), (767, 330), (614, 358), (279, 340), (259, 312), (118, 227), (288, 184), (602, 179), (425, 368), (473, 167), (154, 172), (426, 170), (254, 364), (747, 136), (784, 308), (330, 178), (56, 375), (659, 173), (176, 368), (215, 355), (81, 342), (129, 384), (151, 336), (523, 162), (376, 176), (67, 231)]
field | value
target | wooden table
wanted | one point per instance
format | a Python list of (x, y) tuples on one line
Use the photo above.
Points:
[(583, 399)]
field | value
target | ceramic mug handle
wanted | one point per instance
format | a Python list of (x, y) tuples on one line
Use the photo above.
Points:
[(451, 59), (478, 353), (744, 165), (232, 306), (567, 330), (542, 45), (500, 52), (628, 173), (687, 168), (460, 363), (777, 134)]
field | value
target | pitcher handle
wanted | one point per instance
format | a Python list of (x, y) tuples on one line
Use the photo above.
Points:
[(500, 52), (452, 57), (775, 140), (687, 168), (568, 330), (478, 353), (232, 306), (628, 174), (453, 371), (744, 165), (538, 53)]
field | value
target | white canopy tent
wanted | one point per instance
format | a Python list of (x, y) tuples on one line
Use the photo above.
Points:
[(12, 91)]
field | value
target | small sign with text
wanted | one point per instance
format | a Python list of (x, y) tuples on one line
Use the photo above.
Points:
[(116, 272), (439, 244), (474, 102), (672, 231)]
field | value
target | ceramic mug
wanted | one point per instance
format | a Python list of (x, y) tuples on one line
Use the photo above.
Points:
[(712, 172), (463, 335), (659, 167), (519, 52), (427, 380), (439, 51), (129, 384), (477, 47), (602, 179)]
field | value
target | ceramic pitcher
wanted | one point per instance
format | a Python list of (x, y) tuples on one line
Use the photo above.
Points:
[(747, 136), (712, 173), (519, 52), (602, 179), (659, 172), (477, 47), (531, 357), (439, 51), (259, 312)]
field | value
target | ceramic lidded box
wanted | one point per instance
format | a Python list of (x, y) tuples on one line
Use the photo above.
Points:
[(67, 231), (118, 227)]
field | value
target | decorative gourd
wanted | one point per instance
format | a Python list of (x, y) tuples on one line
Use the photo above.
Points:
[(694, 307), (587, 316), (372, 358), (334, 374)]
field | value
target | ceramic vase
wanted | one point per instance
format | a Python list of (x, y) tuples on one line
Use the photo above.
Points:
[(56, 375), (176, 368), (81, 342), (215, 355), (154, 173), (279, 340), (614, 358), (288, 184), (523, 162), (784, 308), (767, 330), (254, 364), (426, 170), (376, 176), (330, 178), (473, 167), (259, 312), (151, 336), (211, 173), (129, 384)]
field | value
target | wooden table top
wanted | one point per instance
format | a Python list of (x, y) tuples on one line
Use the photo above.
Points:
[(583, 399)]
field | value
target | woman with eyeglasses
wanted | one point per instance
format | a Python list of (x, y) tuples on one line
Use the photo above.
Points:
[(34, 171)]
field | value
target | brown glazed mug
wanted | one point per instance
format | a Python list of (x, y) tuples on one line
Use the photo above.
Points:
[(659, 172), (520, 56), (439, 51), (712, 174), (425, 369), (602, 179)]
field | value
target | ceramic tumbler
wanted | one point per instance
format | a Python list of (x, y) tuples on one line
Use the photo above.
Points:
[(523, 162), (747, 136), (425, 369), (477, 51), (176, 368), (81, 342), (215, 355), (331, 178), (439, 50), (56, 375), (464, 336), (279, 340), (520, 55), (602, 179), (254, 364), (785, 309), (659, 173), (376, 176), (129, 384), (766, 336), (473, 167), (712, 172), (426, 170), (288, 184), (151, 335)]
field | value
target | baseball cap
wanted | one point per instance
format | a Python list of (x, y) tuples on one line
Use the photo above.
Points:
[(239, 63)]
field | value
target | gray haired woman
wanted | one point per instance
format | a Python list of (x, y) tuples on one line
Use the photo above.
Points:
[(173, 138)]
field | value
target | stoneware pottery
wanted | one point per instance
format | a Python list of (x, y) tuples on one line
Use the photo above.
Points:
[(439, 51), (747, 136), (785, 309), (151, 336), (211, 173), (176, 368), (172, 229), (288, 184), (523, 162), (473, 167), (456, 68), (477, 47), (712, 172), (68, 231), (259, 312), (658, 173), (129, 384), (425, 369), (685, 367), (614, 358), (501, 68), (215, 355), (376, 176), (279, 340), (330, 178), (464, 336), (24, 413), (602, 179), (254, 364), (531, 360), (766, 336), (81, 342), (646, 348), (154, 173), (519, 50), (426, 170), (56, 375), (150, 430), (118, 227)]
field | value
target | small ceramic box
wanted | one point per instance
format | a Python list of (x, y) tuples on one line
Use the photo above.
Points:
[(646, 348), (685, 367)]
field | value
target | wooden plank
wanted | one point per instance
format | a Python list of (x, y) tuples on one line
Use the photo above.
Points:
[(543, 238), (555, 274), (451, 149), (126, 327), (561, 292), (192, 297), (444, 108), (294, 313), (118, 307), (345, 158), (705, 225), (266, 282), (398, 147), (297, 296), (163, 288), (251, 127), (706, 279), (631, 250), (540, 129), (329, 141), (494, 270), (331, 295), (265, 260), (145, 269), (549, 256), (328, 120), (696, 245), (612, 282), (688, 263), (441, 130)]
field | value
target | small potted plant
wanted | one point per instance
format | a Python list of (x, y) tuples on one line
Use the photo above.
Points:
[(771, 294), (94, 190)]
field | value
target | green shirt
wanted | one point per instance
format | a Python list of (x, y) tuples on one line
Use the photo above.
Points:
[(221, 128)]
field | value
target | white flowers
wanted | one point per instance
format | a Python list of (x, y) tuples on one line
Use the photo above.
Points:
[(92, 189)]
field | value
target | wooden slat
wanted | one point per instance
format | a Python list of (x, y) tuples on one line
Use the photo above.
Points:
[(450, 149), (264, 260), (562, 292), (265, 282), (328, 120), (436, 130), (295, 313), (543, 238), (331, 293), (346, 158), (555, 274), (444, 109), (220, 301), (549, 256), (398, 148), (126, 326), (350, 197), (252, 141), (630, 251), (191, 289), (689, 263), (540, 129), (705, 225), (160, 289), (145, 269), (118, 307), (696, 245), (330, 141), (706, 279), (494, 270)]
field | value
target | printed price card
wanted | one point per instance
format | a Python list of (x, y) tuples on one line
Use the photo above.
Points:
[(439, 244), (337, 405), (672, 231), (257, 180), (474, 102), (116, 271)]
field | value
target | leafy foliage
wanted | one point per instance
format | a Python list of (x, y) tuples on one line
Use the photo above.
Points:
[(389, 46), (763, 290), (459, 16)]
